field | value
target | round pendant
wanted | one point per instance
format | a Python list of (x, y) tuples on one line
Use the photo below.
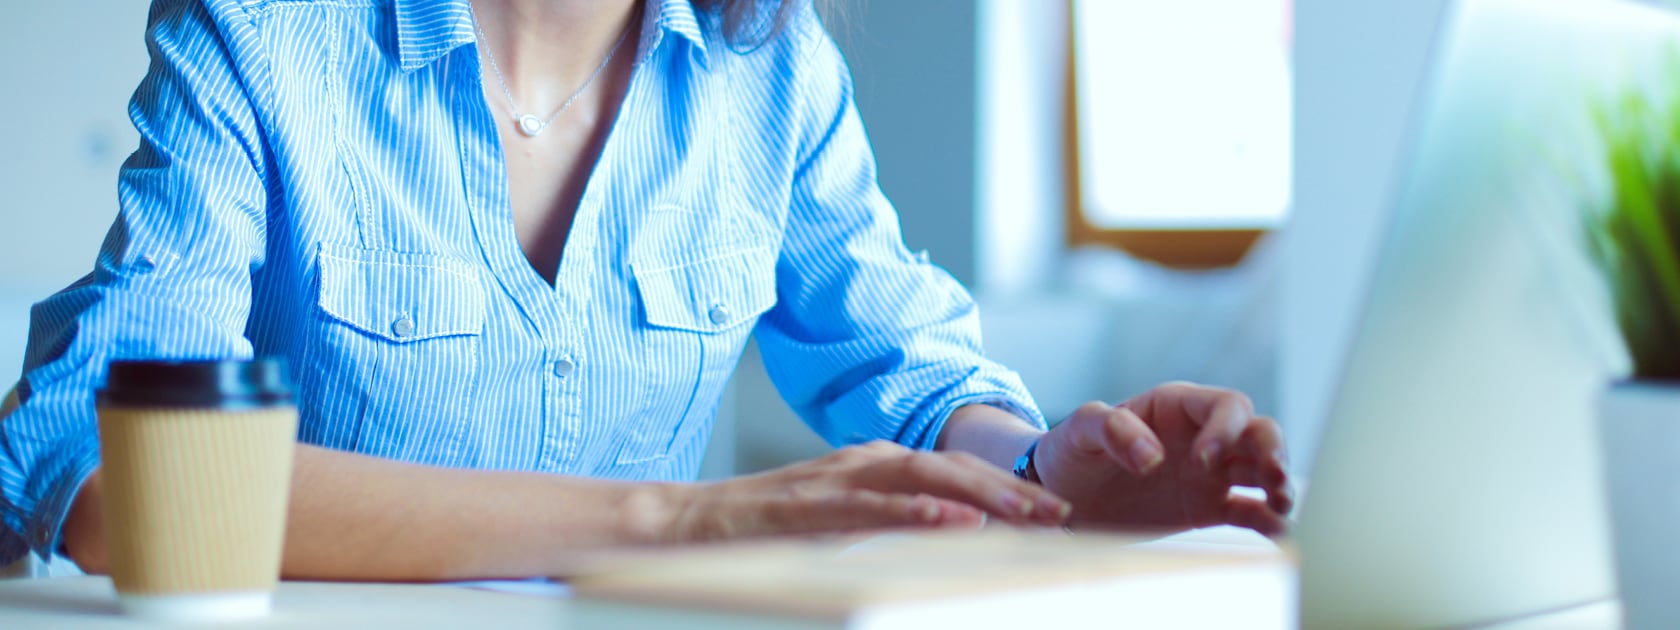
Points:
[(530, 125)]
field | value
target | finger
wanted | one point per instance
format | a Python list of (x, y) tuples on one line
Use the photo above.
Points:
[(1281, 499), (866, 509), (1086, 439), (1262, 440), (1223, 415), (881, 447), (1246, 471), (1121, 434), (1254, 514), (1263, 443), (988, 487), (945, 512), (1128, 439), (933, 511), (1047, 506), (1266, 475)]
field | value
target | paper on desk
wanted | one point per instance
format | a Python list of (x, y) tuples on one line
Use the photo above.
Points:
[(535, 587), (1220, 539)]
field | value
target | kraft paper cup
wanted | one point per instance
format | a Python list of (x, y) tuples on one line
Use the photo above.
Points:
[(197, 462)]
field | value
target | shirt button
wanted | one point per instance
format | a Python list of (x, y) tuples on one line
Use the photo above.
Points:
[(719, 314), (564, 367), (403, 327)]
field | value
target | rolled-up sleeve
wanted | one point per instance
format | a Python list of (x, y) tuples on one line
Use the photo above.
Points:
[(867, 341), (172, 279)]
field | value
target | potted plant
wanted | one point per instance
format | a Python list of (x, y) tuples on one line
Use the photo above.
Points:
[(1635, 237)]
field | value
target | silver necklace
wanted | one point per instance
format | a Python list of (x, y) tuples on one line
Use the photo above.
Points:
[(530, 124)]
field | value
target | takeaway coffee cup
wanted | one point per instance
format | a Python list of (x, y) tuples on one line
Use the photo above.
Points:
[(197, 462)]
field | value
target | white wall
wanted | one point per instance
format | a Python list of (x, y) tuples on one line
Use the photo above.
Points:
[(64, 131), (1021, 67), (913, 67)]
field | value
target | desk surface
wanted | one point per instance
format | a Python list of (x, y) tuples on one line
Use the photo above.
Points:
[(90, 602)]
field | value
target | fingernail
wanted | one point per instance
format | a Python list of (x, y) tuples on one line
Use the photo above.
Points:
[(1145, 456), (1016, 503), (1053, 509), (930, 512), (1208, 455)]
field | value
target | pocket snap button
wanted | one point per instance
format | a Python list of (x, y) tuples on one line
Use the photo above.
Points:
[(403, 327), (719, 314)]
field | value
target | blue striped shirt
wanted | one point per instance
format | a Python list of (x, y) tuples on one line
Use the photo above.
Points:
[(323, 180)]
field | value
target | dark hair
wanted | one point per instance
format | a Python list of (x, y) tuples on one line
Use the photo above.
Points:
[(749, 23)]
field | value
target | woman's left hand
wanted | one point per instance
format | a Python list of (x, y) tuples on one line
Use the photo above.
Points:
[(1167, 460)]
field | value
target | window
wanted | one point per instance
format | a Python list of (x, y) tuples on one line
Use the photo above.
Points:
[(1180, 126)]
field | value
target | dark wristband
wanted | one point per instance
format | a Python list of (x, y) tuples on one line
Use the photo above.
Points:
[(1024, 466)]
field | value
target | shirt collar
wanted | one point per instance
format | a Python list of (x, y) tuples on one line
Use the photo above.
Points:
[(676, 16), (426, 29)]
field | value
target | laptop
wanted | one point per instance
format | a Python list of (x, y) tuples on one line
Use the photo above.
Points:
[(1458, 479)]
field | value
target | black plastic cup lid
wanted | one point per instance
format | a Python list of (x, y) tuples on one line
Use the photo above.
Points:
[(198, 384)]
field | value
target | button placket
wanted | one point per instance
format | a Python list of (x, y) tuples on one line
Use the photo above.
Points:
[(561, 429), (565, 367)]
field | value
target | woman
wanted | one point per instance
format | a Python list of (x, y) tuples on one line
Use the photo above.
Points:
[(512, 250)]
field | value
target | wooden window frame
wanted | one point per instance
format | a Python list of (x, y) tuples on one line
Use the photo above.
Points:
[(1177, 248)]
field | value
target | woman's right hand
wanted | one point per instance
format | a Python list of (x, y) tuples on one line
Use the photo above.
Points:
[(880, 485)]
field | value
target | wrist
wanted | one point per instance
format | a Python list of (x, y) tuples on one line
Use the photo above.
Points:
[(651, 513), (83, 539), (1026, 465), (993, 434)]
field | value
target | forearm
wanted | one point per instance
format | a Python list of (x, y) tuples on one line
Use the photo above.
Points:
[(356, 517), (988, 432)]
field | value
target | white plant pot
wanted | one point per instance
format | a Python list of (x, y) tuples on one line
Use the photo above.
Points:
[(1639, 425)]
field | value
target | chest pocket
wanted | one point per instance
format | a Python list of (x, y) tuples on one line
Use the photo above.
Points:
[(411, 324), (401, 297), (709, 296), (697, 316)]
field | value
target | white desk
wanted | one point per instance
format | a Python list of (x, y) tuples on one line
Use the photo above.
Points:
[(90, 602), (1266, 598)]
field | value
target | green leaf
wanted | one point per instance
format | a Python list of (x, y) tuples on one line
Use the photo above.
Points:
[(1636, 234)]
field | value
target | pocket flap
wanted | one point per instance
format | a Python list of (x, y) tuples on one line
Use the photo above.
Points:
[(401, 297), (712, 295)]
